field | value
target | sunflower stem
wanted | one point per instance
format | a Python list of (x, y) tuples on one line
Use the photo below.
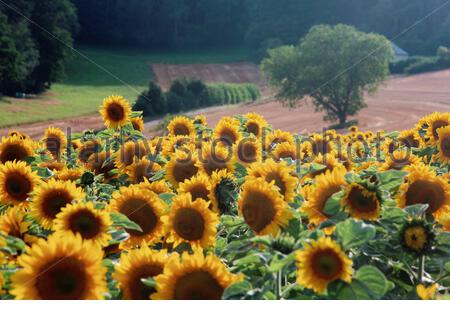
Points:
[(420, 268), (278, 285)]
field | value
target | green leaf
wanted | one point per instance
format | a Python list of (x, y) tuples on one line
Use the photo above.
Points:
[(333, 204), (352, 233), (167, 197), (149, 282), (158, 175), (240, 170), (374, 280), (237, 290), (277, 264), (416, 209), (120, 220), (391, 180)]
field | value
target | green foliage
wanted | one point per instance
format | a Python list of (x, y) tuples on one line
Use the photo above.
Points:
[(335, 66), (36, 51), (190, 94)]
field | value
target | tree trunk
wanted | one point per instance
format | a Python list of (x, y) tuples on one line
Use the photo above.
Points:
[(342, 118)]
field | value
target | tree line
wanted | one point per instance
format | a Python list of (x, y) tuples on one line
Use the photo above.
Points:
[(35, 41), (259, 24)]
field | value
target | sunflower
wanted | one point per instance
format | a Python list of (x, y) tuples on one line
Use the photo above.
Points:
[(17, 181), (443, 144), (278, 173), (129, 152), (144, 208), (200, 119), (435, 121), (329, 162), (426, 292), (255, 124), (276, 137), (51, 197), (423, 186), (353, 128), (55, 141), (325, 186), (173, 143), (194, 277), (87, 149), (223, 201), (84, 219), (15, 149), (135, 265), (157, 187), (287, 150), (76, 144), (399, 159), (101, 163), (321, 144), (142, 169), (191, 221), (214, 157), (68, 174), (13, 223), (116, 112), (182, 166), (262, 207), (138, 124), (417, 236), (16, 133), (181, 126), (247, 151), (198, 186), (410, 138), (227, 132), (60, 269), (321, 263), (361, 203), (53, 165)]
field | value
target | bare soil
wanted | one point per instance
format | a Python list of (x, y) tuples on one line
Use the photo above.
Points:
[(397, 106)]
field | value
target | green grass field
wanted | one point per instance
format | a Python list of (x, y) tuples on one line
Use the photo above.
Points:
[(97, 73)]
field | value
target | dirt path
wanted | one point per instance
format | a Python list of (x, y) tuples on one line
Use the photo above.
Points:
[(397, 106)]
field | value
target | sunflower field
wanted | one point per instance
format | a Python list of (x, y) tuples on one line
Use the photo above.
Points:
[(238, 211)]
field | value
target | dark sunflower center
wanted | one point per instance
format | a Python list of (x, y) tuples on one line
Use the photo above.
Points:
[(143, 171), (189, 224), (273, 176), (181, 130), (258, 210), (445, 146), (436, 125), (183, 170), (410, 142), (101, 163), (63, 278), (141, 213), (247, 152), (228, 136), (214, 163), (13, 152), (116, 112), (425, 192), (198, 285), (18, 186), (361, 202), (85, 223), (130, 152), (199, 191), (138, 290), (320, 146), (253, 127), (88, 149), (54, 201), (53, 144), (326, 264)]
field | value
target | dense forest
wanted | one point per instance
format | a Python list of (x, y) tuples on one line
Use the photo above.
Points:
[(223, 23)]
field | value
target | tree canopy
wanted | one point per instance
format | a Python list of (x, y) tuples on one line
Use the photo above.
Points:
[(334, 65)]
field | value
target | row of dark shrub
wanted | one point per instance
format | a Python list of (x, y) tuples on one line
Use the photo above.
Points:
[(419, 64), (189, 94)]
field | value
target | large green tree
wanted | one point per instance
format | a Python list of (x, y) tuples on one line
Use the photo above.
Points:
[(334, 66)]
